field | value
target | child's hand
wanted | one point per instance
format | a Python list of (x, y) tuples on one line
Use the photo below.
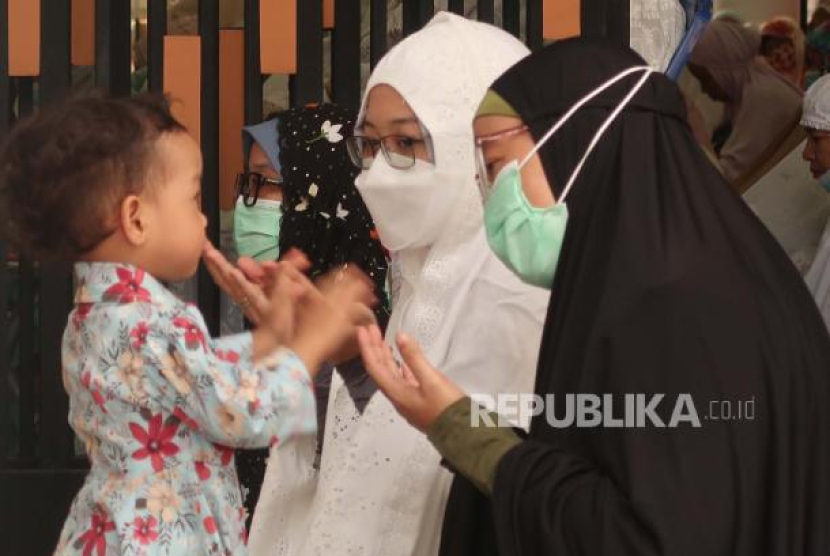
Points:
[(258, 273), (327, 318), (246, 293), (290, 288)]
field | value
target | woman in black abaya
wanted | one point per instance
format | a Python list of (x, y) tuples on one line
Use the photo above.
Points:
[(666, 284)]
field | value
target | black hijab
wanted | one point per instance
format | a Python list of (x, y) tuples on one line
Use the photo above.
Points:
[(325, 217), (323, 214), (667, 283)]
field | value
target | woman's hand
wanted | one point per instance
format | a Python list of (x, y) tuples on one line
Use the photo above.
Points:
[(419, 392), (250, 295), (360, 314)]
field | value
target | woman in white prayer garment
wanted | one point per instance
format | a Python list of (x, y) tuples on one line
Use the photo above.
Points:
[(380, 488)]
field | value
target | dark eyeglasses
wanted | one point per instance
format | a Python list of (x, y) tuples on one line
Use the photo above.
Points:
[(248, 185), (399, 151)]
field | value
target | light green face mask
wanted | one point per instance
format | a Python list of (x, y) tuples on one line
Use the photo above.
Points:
[(527, 239), (256, 229)]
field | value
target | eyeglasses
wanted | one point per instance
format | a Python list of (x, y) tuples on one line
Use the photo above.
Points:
[(485, 180), (400, 151), (248, 185)]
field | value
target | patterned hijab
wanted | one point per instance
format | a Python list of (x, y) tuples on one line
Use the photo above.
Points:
[(782, 44), (323, 214)]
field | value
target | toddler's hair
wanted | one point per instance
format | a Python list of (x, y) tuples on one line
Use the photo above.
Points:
[(65, 170)]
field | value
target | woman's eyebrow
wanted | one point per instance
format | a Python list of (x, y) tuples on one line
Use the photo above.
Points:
[(404, 121), (261, 166)]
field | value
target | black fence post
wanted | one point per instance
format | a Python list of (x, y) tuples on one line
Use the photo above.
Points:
[(156, 29), (112, 46), (378, 31), (307, 85), (456, 6), (55, 278), (619, 21), (511, 16), (534, 24), (486, 11), (253, 68), (416, 14), (26, 309), (345, 53), (5, 352), (208, 292), (594, 17)]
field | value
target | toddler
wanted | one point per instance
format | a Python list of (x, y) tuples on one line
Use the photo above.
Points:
[(115, 186)]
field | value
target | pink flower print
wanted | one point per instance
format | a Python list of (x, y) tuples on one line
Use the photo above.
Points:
[(95, 539), (225, 453), (156, 441), (145, 530), (193, 336), (139, 335), (179, 414), (202, 470), (97, 396), (210, 525), (128, 289), (81, 313), (229, 356)]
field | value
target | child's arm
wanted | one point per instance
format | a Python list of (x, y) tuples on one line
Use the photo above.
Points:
[(216, 386)]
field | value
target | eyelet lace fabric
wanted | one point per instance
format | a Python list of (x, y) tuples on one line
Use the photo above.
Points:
[(656, 29)]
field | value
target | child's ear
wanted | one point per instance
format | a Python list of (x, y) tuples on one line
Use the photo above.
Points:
[(133, 219)]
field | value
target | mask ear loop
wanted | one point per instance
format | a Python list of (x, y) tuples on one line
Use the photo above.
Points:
[(602, 130), (584, 100)]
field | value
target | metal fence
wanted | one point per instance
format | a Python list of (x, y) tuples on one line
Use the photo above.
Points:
[(40, 470)]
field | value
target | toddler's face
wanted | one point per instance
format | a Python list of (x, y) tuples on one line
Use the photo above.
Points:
[(177, 235)]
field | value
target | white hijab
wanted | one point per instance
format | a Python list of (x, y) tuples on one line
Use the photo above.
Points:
[(381, 490), (656, 28), (816, 115)]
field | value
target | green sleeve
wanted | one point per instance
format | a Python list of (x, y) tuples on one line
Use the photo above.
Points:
[(475, 451)]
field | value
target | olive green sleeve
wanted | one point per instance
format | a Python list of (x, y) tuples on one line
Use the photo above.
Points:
[(474, 451)]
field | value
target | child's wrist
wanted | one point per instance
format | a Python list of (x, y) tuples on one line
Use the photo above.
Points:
[(264, 343), (308, 349)]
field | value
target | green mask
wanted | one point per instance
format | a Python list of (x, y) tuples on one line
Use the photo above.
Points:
[(256, 229), (527, 239)]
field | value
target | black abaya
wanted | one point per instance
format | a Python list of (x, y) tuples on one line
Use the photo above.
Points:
[(667, 283)]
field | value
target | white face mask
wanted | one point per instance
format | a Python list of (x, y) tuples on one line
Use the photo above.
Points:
[(410, 207)]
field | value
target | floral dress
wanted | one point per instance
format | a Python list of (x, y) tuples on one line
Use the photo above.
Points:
[(160, 406)]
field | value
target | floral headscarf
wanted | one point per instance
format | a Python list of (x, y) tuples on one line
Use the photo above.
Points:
[(782, 45), (323, 214)]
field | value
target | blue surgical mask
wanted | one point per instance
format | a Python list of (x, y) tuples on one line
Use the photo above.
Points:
[(256, 229), (528, 239)]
